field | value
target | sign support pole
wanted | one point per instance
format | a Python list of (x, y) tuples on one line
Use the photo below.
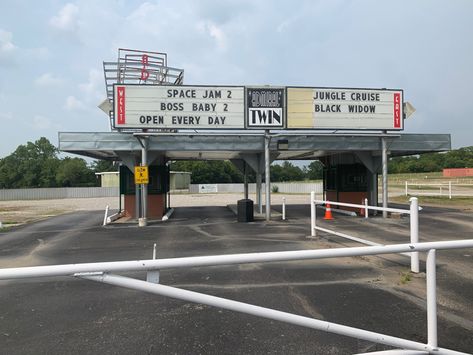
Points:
[(245, 180), (259, 183), (137, 201), (144, 187), (267, 175), (385, 175)]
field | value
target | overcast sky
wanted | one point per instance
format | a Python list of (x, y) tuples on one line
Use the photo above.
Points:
[(51, 54)]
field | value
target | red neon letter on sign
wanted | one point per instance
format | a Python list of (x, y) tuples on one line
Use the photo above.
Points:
[(120, 105), (144, 72), (397, 110)]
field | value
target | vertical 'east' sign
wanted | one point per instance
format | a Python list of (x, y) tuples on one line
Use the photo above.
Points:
[(265, 108), (339, 108)]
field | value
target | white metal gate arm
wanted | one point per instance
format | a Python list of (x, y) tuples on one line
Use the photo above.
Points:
[(236, 306), (214, 260)]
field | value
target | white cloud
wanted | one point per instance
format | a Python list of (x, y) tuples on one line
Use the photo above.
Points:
[(215, 32), (7, 48), (41, 122), (74, 104), (38, 53), (67, 18), (93, 89), (6, 116), (48, 80)]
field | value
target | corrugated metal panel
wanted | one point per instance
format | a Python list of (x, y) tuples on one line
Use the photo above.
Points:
[(283, 187), (57, 193)]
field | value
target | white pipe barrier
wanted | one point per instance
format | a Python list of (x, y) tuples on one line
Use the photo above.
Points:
[(313, 215), (283, 208), (395, 352), (96, 272), (228, 259), (375, 208), (105, 216), (168, 214), (114, 217), (191, 296), (448, 185), (431, 299), (414, 232), (414, 223)]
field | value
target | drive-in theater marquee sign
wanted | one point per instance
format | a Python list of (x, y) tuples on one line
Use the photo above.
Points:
[(237, 107)]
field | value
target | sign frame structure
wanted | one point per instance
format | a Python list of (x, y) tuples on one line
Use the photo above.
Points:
[(237, 114), (398, 111), (141, 175), (269, 109)]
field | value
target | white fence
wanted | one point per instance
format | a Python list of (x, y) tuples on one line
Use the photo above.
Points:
[(284, 187), (413, 213), (103, 272), (57, 193), (446, 189)]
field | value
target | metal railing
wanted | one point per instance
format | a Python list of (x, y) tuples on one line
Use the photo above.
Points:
[(413, 213), (101, 272), (139, 67), (445, 189)]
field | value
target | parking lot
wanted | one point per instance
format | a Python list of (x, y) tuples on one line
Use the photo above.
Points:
[(58, 315)]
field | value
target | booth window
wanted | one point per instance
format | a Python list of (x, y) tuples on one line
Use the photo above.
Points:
[(158, 180), (353, 178)]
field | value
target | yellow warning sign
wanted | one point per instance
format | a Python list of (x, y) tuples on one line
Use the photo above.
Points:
[(141, 175)]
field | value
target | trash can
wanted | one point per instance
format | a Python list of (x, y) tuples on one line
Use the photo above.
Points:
[(245, 212)]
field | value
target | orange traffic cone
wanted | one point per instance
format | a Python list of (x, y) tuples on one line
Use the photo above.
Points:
[(328, 212)]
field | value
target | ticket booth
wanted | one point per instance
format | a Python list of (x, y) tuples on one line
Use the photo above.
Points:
[(350, 181), (158, 189)]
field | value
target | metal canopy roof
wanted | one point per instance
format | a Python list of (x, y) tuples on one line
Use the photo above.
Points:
[(187, 146)]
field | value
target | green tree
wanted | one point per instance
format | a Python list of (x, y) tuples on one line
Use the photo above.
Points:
[(75, 172), (99, 166), (315, 170), (205, 172), (286, 172), (30, 165)]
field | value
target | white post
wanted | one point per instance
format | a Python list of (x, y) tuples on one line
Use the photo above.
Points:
[(440, 190), (431, 300), (267, 178), (105, 216), (283, 208), (313, 216), (153, 275), (406, 188), (450, 190), (366, 208), (414, 223)]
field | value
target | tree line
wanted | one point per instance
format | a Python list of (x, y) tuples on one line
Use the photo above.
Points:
[(212, 172), (432, 162), (37, 164)]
